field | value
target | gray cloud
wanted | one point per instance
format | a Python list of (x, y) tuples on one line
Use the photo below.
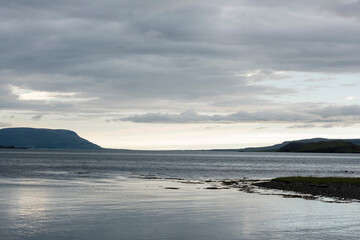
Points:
[(37, 117), (324, 117), (335, 125), (2, 124), (336, 111), (309, 125), (191, 116), (304, 126), (164, 56), (347, 9)]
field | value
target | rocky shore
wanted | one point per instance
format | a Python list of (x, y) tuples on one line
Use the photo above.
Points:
[(333, 189), (341, 189)]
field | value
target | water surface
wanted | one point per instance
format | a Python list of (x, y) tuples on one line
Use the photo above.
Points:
[(101, 195)]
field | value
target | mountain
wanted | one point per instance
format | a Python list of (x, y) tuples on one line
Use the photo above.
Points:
[(44, 138), (337, 146), (276, 147)]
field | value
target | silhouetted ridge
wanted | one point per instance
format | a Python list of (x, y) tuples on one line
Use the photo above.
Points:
[(277, 147), (338, 146), (44, 138)]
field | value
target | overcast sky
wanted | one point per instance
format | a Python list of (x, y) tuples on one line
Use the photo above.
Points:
[(166, 74)]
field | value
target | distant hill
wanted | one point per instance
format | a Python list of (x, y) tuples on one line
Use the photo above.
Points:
[(276, 147), (43, 138), (337, 146)]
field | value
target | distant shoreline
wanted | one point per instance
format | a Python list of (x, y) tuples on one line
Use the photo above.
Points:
[(11, 147)]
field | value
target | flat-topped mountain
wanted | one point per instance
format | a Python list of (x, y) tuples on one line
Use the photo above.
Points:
[(44, 138)]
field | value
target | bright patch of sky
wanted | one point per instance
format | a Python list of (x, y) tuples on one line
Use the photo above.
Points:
[(318, 87), (32, 95)]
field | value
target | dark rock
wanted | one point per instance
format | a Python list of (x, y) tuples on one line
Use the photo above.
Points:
[(334, 190)]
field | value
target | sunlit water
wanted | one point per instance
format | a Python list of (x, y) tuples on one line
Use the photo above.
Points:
[(102, 195)]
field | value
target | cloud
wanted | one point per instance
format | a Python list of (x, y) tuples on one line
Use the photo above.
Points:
[(303, 126), (337, 111), (300, 126), (32, 95), (324, 117), (37, 117), (260, 128), (191, 116), (347, 9), (335, 125), (262, 75), (159, 57), (2, 124)]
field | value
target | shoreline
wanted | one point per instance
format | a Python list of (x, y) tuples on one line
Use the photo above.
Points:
[(339, 189), (311, 190)]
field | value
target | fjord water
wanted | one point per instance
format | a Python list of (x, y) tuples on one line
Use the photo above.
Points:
[(124, 195)]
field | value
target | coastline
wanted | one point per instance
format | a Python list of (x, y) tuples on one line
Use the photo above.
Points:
[(339, 188), (339, 192)]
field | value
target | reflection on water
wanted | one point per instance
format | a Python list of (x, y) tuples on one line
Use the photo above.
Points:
[(122, 208), (186, 164), (29, 210)]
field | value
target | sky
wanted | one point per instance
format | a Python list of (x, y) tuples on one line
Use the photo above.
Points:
[(169, 74)]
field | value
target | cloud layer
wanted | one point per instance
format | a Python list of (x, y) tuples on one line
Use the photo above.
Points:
[(327, 117), (162, 56)]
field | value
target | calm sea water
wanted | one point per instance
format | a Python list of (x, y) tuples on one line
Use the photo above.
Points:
[(178, 164), (104, 195)]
